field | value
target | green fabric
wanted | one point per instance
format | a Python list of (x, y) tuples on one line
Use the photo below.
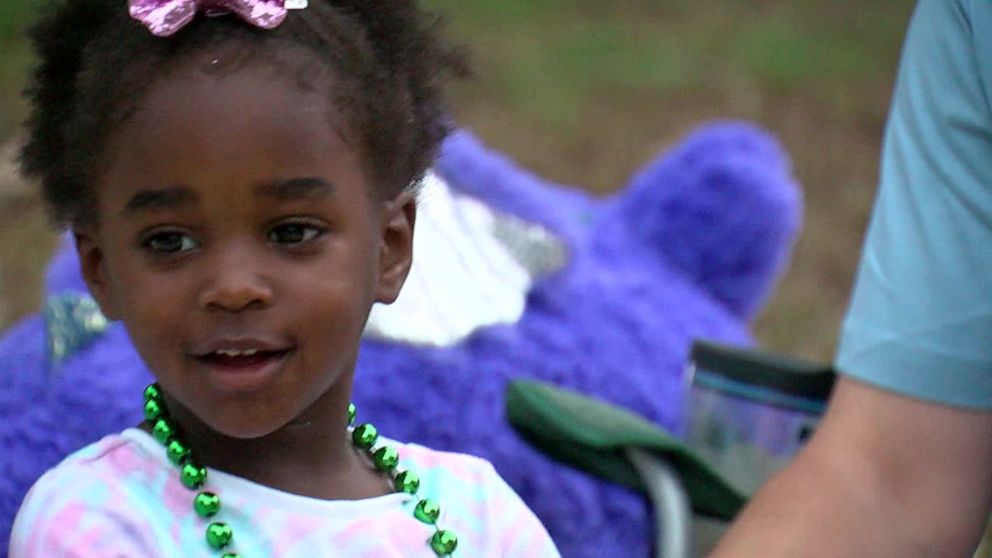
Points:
[(591, 436)]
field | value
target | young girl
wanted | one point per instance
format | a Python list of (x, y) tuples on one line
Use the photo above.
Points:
[(240, 182)]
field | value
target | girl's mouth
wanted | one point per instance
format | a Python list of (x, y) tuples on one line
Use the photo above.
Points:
[(240, 359), (235, 371)]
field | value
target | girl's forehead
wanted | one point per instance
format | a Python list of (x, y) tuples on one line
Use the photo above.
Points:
[(207, 129), (201, 113), (217, 83)]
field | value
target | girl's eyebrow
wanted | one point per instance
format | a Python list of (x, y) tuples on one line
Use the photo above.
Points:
[(309, 187), (161, 198)]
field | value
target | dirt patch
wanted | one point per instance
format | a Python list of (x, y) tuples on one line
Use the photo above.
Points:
[(26, 241)]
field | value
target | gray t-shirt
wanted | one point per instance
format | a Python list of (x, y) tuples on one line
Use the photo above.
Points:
[(920, 321)]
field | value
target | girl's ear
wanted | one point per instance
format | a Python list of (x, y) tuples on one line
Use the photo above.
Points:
[(396, 253), (94, 271)]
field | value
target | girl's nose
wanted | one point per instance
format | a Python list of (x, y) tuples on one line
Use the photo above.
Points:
[(234, 287)]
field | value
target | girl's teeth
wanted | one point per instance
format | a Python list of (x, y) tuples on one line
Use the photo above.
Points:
[(233, 353)]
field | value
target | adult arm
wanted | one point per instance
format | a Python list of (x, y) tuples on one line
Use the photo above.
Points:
[(889, 474), (885, 475)]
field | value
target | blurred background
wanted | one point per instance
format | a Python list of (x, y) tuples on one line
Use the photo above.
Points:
[(585, 91)]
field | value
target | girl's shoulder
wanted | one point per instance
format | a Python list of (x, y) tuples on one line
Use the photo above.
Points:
[(481, 507), (116, 457), (429, 459), (450, 472), (91, 491)]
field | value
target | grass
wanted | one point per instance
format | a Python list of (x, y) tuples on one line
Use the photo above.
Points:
[(585, 91)]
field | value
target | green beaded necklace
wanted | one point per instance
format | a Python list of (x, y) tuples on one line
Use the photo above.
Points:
[(219, 535)]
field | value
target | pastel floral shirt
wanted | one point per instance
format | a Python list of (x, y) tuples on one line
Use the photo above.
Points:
[(120, 497)]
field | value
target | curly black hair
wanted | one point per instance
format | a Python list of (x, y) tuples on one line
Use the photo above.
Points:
[(386, 61)]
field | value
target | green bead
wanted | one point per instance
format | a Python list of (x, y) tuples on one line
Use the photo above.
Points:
[(206, 504), (352, 411), (230, 555), (163, 431), (407, 481), (427, 511), (153, 410), (193, 476), (444, 542), (219, 535), (177, 452), (385, 458), (153, 392), (365, 436)]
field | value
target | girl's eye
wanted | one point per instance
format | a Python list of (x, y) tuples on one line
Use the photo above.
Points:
[(294, 233), (170, 243)]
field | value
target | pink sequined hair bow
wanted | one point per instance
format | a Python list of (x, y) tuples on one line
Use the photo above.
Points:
[(165, 17)]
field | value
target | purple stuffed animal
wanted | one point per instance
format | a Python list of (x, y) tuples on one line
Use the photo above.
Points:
[(600, 296)]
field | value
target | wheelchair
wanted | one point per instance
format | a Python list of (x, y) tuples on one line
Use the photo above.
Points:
[(749, 412)]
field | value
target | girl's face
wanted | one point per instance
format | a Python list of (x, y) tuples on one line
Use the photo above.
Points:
[(241, 244)]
